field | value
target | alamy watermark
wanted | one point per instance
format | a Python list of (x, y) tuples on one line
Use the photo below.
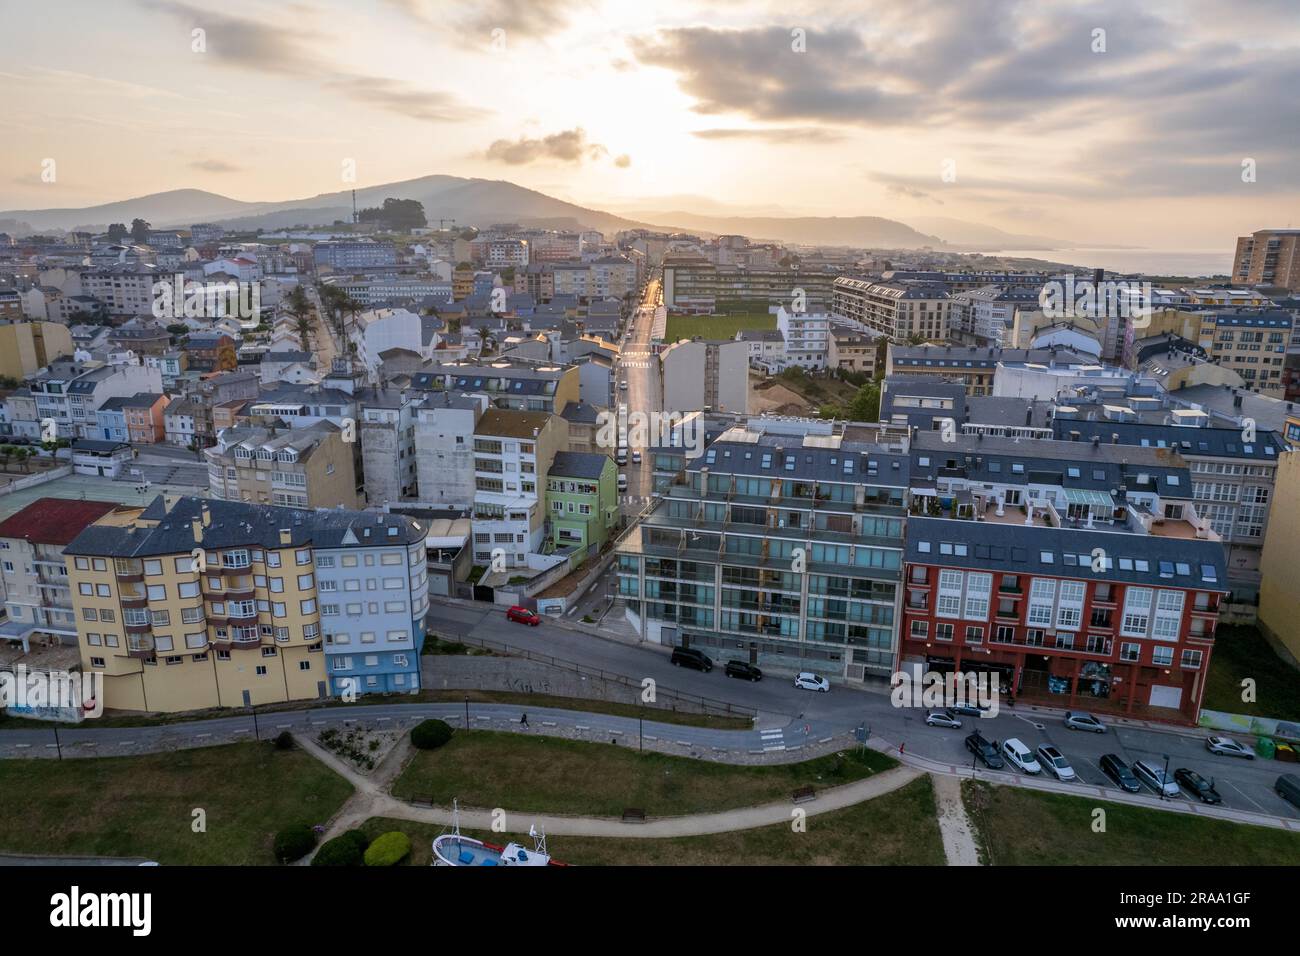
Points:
[(51, 694), (1083, 298), (177, 298), (625, 429), (935, 690)]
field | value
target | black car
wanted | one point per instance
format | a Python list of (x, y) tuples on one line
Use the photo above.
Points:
[(1118, 771), (690, 657), (743, 670), (979, 745), (1197, 786)]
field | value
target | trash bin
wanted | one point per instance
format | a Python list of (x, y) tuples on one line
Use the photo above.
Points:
[(1265, 748)]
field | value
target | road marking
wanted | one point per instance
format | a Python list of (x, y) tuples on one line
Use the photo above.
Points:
[(581, 727), (244, 731), (1259, 806), (284, 726), (548, 723), (201, 736), (648, 737), (24, 746), (682, 743), (1033, 723)]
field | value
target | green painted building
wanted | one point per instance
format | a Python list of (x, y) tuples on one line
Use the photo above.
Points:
[(582, 499)]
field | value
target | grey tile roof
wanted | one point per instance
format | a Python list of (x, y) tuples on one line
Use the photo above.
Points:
[(1145, 560), (577, 464), (1195, 442), (235, 524)]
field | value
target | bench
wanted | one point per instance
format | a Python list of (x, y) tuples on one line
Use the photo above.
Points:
[(633, 815), (804, 794)]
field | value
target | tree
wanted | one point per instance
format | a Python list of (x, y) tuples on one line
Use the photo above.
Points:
[(140, 230), (117, 232), (865, 406), (23, 454), (7, 454), (402, 215), (226, 358)]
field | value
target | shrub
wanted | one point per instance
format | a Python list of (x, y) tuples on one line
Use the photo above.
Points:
[(347, 849), (389, 849), (294, 842), (284, 740), (431, 734)]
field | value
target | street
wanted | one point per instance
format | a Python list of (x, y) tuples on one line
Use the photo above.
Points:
[(636, 367), (788, 716)]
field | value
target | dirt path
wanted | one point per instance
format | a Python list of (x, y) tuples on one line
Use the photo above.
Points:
[(954, 825)]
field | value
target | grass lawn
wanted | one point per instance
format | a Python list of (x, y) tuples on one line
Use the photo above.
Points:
[(715, 326), (142, 806), (1241, 652), (549, 775), (896, 829), (1024, 828)]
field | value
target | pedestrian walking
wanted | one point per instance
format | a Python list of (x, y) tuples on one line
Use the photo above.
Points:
[(900, 748), (523, 720)]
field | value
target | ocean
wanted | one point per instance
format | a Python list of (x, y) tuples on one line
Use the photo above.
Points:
[(1146, 261)]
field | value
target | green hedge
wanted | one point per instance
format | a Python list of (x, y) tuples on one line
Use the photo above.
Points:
[(345, 850), (389, 849), (294, 842), (431, 734)]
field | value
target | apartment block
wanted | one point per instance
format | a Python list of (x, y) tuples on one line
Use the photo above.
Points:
[(71, 393), (1067, 617), (386, 430), (27, 347), (806, 336), (513, 452), (195, 604), (782, 544), (701, 374), (582, 499), (308, 467), (444, 448), (903, 311), (1268, 257), (38, 600), (693, 284)]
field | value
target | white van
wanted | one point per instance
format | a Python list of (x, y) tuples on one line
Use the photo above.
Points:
[(622, 482)]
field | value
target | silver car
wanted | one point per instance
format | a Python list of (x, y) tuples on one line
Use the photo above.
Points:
[(1055, 762), (1227, 747), (942, 718), (1078, 720), (1156, 778)]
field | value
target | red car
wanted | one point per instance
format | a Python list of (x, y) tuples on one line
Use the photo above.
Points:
[(523, 615)]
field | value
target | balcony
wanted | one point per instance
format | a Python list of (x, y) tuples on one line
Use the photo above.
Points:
[(140, 647), (129, 572), (234, 613), (245, 638)]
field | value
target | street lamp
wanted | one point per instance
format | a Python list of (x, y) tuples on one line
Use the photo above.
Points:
[(1165, 778), (467, 711)]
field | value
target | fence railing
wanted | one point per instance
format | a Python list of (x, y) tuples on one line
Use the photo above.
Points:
[(707, 705)]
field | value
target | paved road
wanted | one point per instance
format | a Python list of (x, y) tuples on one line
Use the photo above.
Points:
[(643, 394), (801, 715)]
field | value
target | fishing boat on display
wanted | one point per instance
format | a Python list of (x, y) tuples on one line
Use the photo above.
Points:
[(453, 849)]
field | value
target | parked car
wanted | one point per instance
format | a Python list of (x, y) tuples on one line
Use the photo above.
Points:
[(1197, 786), (942, 718), (622, 386), (1288, 788), (807, 680), (1055, 762), (1155, 778), (979, 745), (1020, 756), (622, 482), (1078, 720), (523, 615), (690, 657), (743, 670), (636, 458), (969, 710), (1118, 771), (1227, 747)]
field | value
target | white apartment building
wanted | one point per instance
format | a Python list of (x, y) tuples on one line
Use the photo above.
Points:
[(513, 451), (807, 338)]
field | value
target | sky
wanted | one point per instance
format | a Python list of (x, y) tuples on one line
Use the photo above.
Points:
[(1166, 125)]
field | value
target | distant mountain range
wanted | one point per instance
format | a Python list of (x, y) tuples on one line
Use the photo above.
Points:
[(483, 202)]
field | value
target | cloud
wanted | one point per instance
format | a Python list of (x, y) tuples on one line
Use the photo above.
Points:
[(262, 47), (902, 191), (533, 19), (566, 146), (1170, 107), (623, 161), (215, 166), (780, 135)]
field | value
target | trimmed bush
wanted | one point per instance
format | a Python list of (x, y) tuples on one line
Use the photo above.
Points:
[(294, 842), (431, 734), (389, 849), (284, 740), (347, 849)]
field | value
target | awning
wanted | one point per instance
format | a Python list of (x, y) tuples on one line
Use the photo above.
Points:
[(1097, 499)]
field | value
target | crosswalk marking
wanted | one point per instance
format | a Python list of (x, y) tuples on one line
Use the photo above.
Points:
[(773, 739)]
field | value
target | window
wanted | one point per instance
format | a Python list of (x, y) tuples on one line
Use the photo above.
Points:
[(949, 604), (943, 632), (1162, 655), (305, 582), (1069, 610), (303, 556), (278, 609), (1130, 652), (308, 606), (1169, 615), (188, 589), (978, 588), (1042, 593), (1137, 612), (157, 592), (1191, 660), (920, 630), (153, 567)]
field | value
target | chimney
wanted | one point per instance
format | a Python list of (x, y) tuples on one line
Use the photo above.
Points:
[(1096, 441), (207, 515), (1029, 415), (286, 536), (198, 531)]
